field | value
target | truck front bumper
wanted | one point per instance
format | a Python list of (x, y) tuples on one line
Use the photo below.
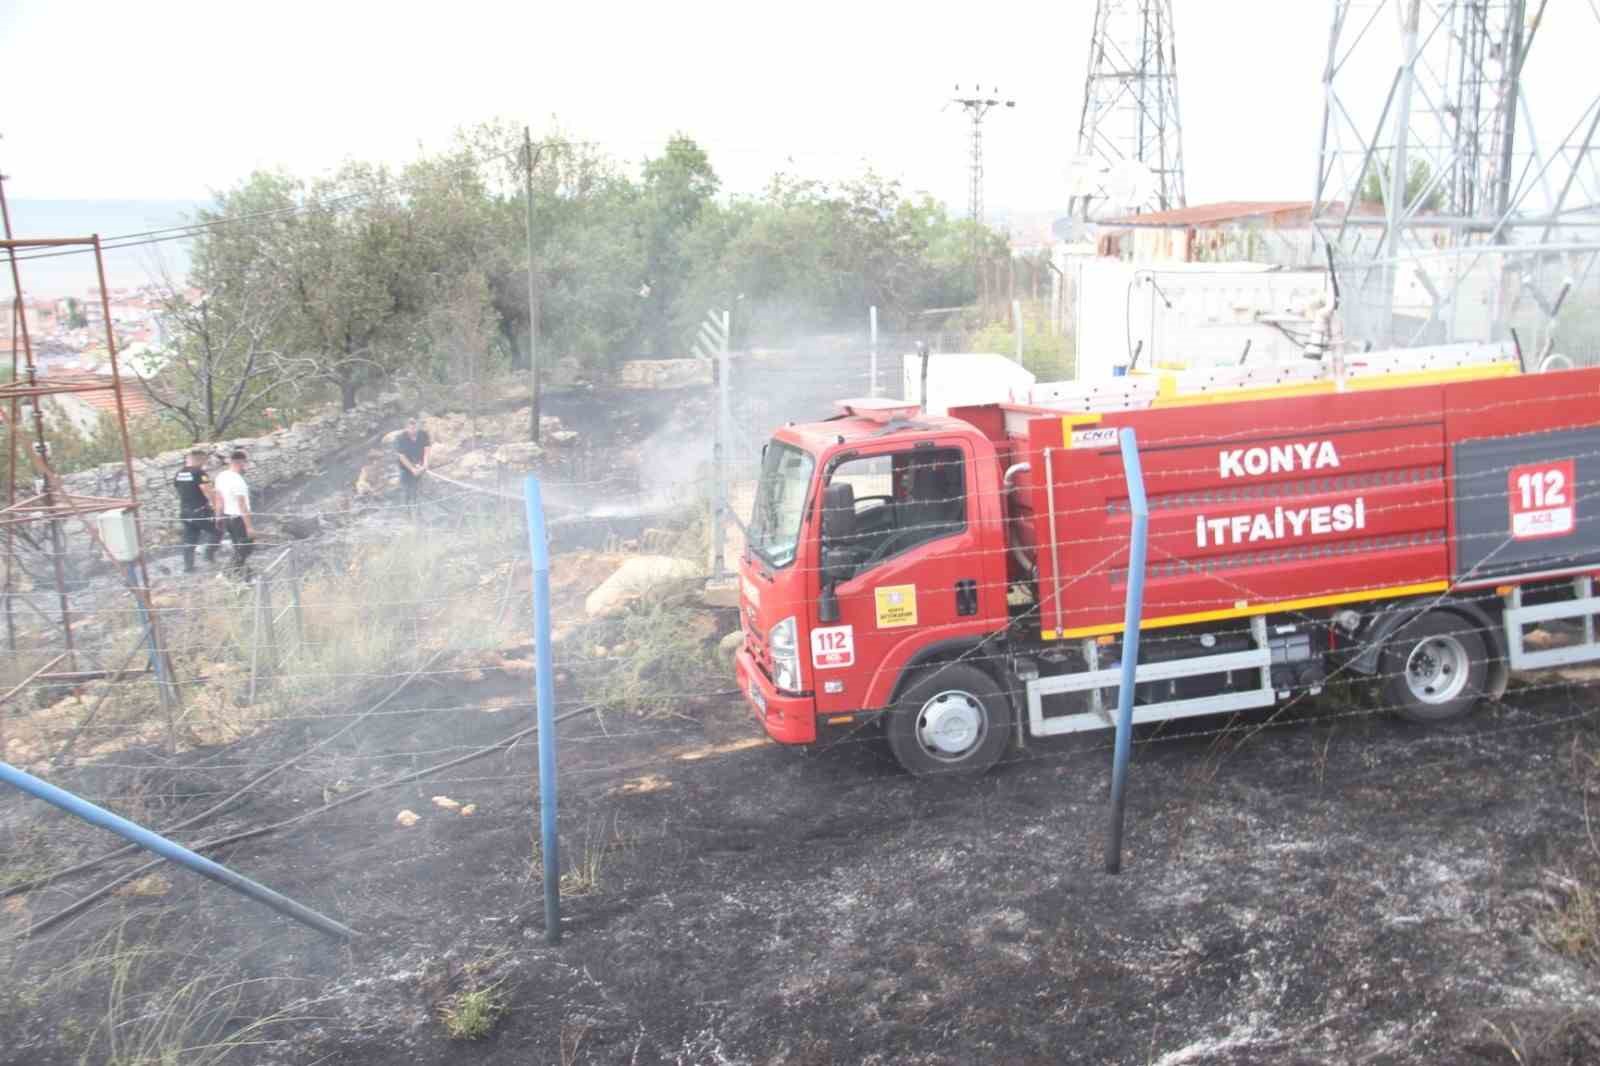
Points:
[(787, 719)]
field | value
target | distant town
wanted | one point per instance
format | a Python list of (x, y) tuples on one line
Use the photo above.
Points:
[(67, 336)]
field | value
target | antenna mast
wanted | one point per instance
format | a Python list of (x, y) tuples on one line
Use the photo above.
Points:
[(1130, 108)]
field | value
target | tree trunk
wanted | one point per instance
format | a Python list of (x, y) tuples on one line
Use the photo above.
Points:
[(347, 393)]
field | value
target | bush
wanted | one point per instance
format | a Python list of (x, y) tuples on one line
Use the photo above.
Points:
[(1049, 357), (652, 661)]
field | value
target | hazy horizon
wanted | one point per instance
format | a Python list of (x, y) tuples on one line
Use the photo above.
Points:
[(51, 275)]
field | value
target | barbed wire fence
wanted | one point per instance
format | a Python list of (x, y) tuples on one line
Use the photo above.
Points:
[(386, 667)]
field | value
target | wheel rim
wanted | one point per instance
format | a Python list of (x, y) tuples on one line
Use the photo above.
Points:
[(951, 726), (1437, 669)]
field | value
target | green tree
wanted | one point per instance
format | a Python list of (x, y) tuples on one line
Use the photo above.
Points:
[(1418, 175), (678, 186), (354, 280), (225, 360)]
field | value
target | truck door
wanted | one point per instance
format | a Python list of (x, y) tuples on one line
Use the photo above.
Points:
[(919, 570)]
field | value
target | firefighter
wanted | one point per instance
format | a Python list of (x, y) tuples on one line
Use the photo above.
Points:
[(197, 508)]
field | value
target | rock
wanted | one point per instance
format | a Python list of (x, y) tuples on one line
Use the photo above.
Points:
[(407, 818), (561, 436), (664, 373), (473, 464), (469, 810), (377, 475), (729, 646), (299, 527), (639, 578), (446, 803), (724, 593), (520, 453)]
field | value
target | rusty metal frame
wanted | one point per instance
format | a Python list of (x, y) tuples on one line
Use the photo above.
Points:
[(53, 504)]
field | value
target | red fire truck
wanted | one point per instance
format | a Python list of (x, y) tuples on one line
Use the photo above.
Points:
[(960, 578)]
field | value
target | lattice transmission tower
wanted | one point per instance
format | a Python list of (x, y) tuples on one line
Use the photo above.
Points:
[(977, 105), (1130, 136), (1446, 215)]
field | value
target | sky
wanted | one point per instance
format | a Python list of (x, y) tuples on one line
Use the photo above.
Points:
[(177, 99)]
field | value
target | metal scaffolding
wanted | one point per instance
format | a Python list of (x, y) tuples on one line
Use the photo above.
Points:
[(49, 502), (1447, 217), (1130, 137)]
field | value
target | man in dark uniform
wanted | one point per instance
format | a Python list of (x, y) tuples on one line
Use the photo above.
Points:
[(412, 446), (196, 508)]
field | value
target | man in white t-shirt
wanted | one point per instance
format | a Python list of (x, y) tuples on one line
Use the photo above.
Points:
[(233, 493)]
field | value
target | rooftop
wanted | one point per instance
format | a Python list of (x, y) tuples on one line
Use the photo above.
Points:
[(136, 399), (1210, 214)]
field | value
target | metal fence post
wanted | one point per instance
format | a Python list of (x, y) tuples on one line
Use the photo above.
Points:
[(719, 504), (549, 842), (1132, 611), (294, 597), (167, 849), (269, 623), (872, 347)]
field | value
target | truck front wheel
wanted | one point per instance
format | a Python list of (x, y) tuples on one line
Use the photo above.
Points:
[(1434, 667), (952, 719)]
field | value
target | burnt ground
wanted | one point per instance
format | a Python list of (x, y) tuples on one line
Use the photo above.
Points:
[(1346, 888), (1326, 885)]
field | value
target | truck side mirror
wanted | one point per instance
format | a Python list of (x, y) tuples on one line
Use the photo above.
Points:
[(838, 510), (828, 604), (838, 524)]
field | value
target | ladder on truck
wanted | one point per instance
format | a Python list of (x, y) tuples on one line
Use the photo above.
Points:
[(1336, 371), (983, 378)]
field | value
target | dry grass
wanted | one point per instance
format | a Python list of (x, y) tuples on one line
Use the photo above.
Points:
[(1571, 925), (652, 660), (472, 1014), (158, 1008), (474, 1009)]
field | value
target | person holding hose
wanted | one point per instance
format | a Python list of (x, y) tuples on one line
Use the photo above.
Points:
[(411, 448), (234, 493)]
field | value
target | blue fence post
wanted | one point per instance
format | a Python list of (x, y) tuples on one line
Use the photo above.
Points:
[(168, 849), (1132, 611), (549, 845)]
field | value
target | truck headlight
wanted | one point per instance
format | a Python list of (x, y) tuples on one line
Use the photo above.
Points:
[(785, 650)]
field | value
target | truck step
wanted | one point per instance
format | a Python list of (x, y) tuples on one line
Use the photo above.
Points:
[(1093, 680), (1583, 607)]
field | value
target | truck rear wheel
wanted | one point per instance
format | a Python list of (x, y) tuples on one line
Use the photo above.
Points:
[(1434, 667), (953, 719)]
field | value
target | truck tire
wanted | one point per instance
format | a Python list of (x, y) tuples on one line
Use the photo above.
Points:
[(951, 719), (1434, 667)]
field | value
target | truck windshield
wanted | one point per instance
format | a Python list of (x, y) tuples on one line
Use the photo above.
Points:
[(780, 503)]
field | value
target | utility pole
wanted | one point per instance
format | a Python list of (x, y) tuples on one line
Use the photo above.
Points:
[(530, 157), (977, 105)]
